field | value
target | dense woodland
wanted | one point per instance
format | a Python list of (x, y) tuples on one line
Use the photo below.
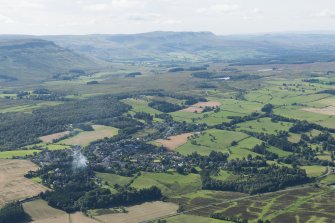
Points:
[(20, 129)]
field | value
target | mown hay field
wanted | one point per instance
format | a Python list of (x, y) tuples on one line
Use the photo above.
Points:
[(13, 184)]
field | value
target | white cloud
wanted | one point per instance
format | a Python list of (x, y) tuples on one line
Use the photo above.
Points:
[(326, 13), (5, 19), (143, 16), (112, 5), (257, 11), (220, 8), (97, 7), (171, 22)]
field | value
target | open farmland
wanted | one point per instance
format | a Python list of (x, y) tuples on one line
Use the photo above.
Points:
[(173, 142), (294, 205), (86, 137), (139, 213), (17, 153), (41, 212), (325, 111), (169, 183), (220, 140), (262, 146), (51, 137), (185, 218), (199, 107), (13, 184)]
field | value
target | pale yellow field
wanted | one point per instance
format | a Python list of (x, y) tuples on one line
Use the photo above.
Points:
[(199, 107), (174, 142), (139, 213), (50, 138), (40, 212), (85, 138), (13, 184), (330, 110)]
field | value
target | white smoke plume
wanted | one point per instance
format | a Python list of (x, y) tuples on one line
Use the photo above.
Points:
[(79, 160)]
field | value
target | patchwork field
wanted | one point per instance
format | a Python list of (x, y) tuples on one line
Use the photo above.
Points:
[(314, 171), (139, 213), (114, 178), (140, 105), (237, 144), (169, 183), (50, 138), (325, 111), (13, 184), (264, 125), (40, 212), (295, 205), (173, 142), (185, 218), (17, 153), (199, 107), (86, 137)]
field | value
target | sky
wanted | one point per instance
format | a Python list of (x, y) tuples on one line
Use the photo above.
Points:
[(223, 17)]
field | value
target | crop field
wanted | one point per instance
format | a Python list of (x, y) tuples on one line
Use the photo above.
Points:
[(296, 205), (13, 184), (185, 218), (314, 171), (228, 108), (330, 110), (173, 142), (86, 137), (139, 213), (17, 153), (29, 107), (140, 105), (41, 212), (264, 125), (51, 137), (49, 146), (201, 198), (297, 113), (113, 179), (169, 183), (329, 179), (220, 140), (199, 107)]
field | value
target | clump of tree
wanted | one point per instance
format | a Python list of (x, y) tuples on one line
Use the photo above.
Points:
[(176, 69), (144, 116), (92, 82), (165, 106), (13, 213), (257, 180), (267, 108), (134, 74), (222, 216)]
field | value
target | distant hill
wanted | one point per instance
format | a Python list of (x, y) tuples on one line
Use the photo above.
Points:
[(154, 46), (40, 57), (204, 46), (25, 59)]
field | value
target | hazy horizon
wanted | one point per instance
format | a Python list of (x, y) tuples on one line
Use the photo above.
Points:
[(228, 17)]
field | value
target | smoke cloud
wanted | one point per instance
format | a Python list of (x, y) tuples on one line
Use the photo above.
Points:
[(79, 160)]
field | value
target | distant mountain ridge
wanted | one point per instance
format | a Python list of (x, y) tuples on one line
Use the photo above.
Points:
[(201, 46), (25, 59)]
